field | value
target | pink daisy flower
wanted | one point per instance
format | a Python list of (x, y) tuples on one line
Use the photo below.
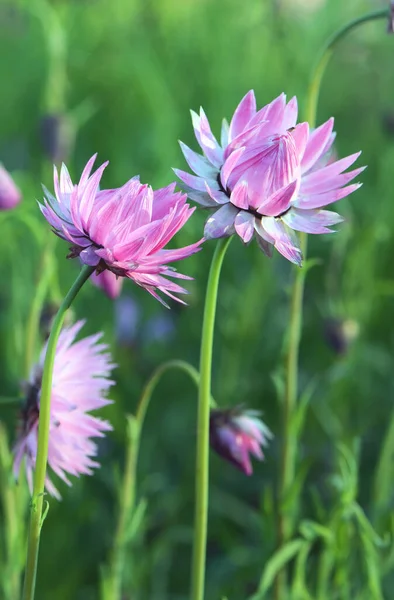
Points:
[(80, 384), (234, 434), (268, 176), (123, 230)]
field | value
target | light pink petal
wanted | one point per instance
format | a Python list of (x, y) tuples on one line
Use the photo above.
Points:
[(290, 114), (224, 133), (221, 223), (217, 195), (206, 139), (229, 165), (284, 242), (317, 144), (197, 183), (319, 200), (245, 110), (244, 225), (328, 173), (300, 135), (311, 221)]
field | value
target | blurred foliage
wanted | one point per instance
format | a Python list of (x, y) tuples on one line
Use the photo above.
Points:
[(119, 79)]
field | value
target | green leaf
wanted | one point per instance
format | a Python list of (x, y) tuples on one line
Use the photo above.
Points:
[(275, 564)]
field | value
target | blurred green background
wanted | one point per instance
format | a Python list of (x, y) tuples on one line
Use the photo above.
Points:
[(120, 78)]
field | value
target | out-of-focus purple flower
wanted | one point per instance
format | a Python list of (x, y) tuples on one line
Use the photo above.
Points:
[(110, 283), (390, 24), (80, 384), (236, 433), (160, 328), (123, 230), (10, 194), (268, 176), (57, 136), (340, 333), (127, 319)]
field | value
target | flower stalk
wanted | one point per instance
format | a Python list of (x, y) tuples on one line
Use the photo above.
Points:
[(37, 501), (289, 455), (204, 396), (127, 493)]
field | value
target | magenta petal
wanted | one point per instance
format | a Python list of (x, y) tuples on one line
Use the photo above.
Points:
[(245, 110), (284, 242), (229, 165), (311, 221), (280, 201), (221, 223), (319, 200), (300, 135), (290, 114), (327, 174), (244, 225), (239, 195), (317, 144)]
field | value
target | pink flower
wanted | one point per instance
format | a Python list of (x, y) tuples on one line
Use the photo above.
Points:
[(10, 195), (268, 176), (123, 230), (110, 283), (235, 434), (80, 384)]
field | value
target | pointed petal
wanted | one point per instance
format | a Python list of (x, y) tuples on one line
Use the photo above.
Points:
[(221, 223), (244, 225), (316, 145), (245, 110), (311, 221), (285, 243), (327, 173), (239, 195), (217, 195), (319, 200), (199, 164), (224, 134), (300, 135), (290, 114), (229, 166), (196, 183), (280, 201)]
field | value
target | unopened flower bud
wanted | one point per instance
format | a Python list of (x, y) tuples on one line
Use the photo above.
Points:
[(110, 283), (236, 433), (10, 194), (57, 134)]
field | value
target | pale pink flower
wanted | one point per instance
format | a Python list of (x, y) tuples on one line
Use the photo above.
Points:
[(80, 384), (268, 176), (123, 230), (107, 281), (234, 434), (10, 195)]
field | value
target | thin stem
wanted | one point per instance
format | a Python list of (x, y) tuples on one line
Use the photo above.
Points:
[(127, 494), (46, 269), (37, 500), (202, 458), (289, 454)]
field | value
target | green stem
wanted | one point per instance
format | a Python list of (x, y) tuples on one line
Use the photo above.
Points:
[(37, 500), (204, 395), (289, 453), (127, 494), (46, 269)]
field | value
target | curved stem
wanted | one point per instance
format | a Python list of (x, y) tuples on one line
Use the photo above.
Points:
[(202, 458), (37, 500), (289, 454), (127, 493)]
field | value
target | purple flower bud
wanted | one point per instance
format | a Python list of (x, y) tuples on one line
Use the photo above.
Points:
[(110, 283), (57, 135), (236, 433), (10, 194), (390, 23)]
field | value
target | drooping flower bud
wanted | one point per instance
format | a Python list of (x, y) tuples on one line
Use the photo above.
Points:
[(110, 283), (340, 333), (236, 433)]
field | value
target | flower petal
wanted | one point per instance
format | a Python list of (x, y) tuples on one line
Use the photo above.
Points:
[(245, 110), (319, 200), (284, 242), (221, 223), (244, 225), (316, 145), (311, 221), (199, 164)]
